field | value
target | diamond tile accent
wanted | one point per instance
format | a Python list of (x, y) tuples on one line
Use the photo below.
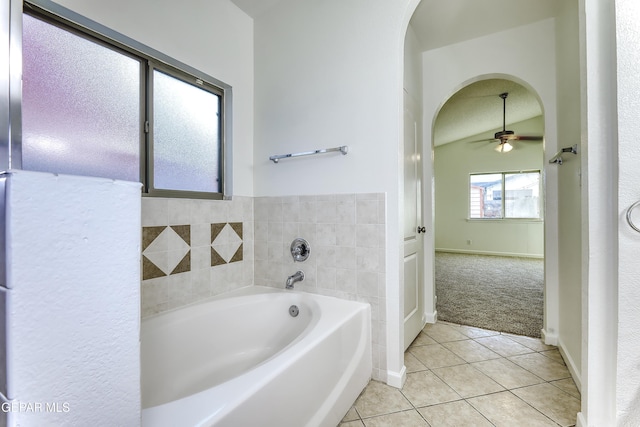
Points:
[(226, 243), (149, 234), (184, 265), (216, 259), (166, 250), (183, 231), (237, 227), (238, 255), (150, 270), (215, 230)]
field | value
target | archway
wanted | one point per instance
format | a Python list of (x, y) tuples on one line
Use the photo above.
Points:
[(489, 207)]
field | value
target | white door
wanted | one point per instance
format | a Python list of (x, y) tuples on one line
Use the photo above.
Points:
[(413, 228)]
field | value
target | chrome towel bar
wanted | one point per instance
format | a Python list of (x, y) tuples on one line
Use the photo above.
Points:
[(343, 149)]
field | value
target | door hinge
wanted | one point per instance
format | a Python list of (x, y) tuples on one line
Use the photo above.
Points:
[(146, 126)]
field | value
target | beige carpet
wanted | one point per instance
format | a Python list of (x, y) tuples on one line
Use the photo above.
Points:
[(499, 293)]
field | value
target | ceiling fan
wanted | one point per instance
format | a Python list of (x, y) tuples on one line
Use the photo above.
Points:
[(505, 136)]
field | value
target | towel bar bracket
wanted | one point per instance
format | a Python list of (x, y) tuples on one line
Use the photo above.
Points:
[(558, 157)]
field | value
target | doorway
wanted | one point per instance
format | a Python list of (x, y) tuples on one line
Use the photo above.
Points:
[(489, 205)]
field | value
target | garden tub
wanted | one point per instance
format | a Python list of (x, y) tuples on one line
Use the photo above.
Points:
[(258, 356)]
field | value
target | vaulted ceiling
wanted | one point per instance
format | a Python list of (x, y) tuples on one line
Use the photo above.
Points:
[(478, 108)]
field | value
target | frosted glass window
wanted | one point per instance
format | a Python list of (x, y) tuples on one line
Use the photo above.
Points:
[(97, 103), (80, 105), (186, 136)]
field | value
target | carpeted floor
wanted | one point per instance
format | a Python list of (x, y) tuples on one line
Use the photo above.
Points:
[(499, 293)]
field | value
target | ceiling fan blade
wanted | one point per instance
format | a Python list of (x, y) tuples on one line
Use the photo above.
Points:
[(483, 140), (528, 138)]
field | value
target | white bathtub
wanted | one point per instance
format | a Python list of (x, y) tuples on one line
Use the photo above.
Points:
[(243, 360)]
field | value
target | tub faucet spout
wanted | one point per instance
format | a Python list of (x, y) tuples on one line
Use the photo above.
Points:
[(298, 277)]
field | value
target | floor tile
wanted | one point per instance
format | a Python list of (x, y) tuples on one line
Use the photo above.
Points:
[(544, 367), (504, 346), (435, 356), (352, 415), (467, 381), (506, 373), (473, 332), (454, 414), (424, 388), (568, 386), (457, 376), (442, 332), (554, 355), (471, 351), (507, 410), (422, 339), (533, 343), (551, 401), (378, 398), (399, 419), (412, 364)]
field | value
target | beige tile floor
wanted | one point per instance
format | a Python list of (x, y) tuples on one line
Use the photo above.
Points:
[(459, 376)]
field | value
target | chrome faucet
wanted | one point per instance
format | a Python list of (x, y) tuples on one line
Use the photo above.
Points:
[(298, 277)]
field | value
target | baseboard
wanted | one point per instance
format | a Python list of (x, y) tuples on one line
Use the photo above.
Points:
[(472, 252), (397, 379), (549, 339), (571, 365), (581, 422), (430, 317)]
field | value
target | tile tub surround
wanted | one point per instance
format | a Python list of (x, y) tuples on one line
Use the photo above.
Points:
[(194, 249), (464, 376), (346, 233)]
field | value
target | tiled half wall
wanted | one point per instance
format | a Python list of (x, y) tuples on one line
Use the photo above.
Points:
[(194, 249), (346, 234)]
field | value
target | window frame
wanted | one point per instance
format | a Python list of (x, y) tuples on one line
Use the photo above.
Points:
[(150, 60), (503, 198), (149, 187)]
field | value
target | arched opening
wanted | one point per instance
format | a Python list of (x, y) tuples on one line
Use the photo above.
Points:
[(489, 207)]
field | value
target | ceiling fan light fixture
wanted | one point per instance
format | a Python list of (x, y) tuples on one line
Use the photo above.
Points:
[(504, 147)]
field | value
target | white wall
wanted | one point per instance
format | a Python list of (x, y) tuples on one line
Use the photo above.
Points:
[(628, 359), (325, 77), (215, 37), (453, 164), (73, 305), (600, 215), (529, 58)]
